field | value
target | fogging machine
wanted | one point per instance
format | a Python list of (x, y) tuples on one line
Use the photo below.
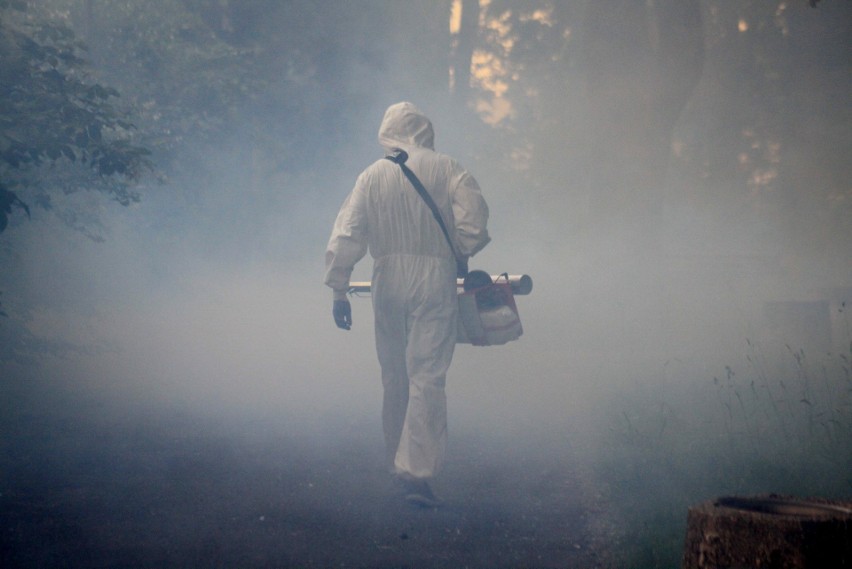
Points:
[(488, 315), (520, 284)]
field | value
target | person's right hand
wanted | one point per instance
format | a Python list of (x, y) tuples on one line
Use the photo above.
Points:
[(342, 312)]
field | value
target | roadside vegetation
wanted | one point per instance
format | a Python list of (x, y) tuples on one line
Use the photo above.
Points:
[(759, 427)]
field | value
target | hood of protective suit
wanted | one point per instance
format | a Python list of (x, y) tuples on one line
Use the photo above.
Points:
[(405, 126)]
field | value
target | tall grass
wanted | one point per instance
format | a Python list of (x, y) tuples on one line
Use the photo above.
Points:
[(761, 427)]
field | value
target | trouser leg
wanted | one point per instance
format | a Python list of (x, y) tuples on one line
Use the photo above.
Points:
[(394, 406), (431, 343), (390, 346)]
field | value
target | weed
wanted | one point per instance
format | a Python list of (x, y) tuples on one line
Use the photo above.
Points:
[(749, 430)]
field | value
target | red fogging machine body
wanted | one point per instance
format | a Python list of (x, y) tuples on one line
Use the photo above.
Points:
[(488, 315)]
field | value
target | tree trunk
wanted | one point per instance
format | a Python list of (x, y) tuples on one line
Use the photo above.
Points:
[(641, 63), (463, 54), (771, 533)]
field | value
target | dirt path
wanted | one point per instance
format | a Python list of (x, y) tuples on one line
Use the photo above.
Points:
[(98, 489)]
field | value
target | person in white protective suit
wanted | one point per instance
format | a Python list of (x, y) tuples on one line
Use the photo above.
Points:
[(413, 285)]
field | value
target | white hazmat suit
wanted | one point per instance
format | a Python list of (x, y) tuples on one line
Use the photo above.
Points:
[(414, 280)]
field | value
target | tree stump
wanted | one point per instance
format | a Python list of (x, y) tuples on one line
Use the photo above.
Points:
[(768, 532)]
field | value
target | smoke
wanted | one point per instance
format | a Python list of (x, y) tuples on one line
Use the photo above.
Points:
[(222, 295), (222, 304), (209, 299)]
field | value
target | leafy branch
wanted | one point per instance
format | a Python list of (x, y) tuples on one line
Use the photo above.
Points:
[(51, 111)]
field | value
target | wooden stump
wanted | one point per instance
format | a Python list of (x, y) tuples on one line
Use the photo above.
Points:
[(768, 532)]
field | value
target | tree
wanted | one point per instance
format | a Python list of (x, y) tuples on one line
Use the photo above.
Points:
[(181, 74), (52, 112)]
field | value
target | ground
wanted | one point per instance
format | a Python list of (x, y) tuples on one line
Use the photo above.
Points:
[(89, 485)]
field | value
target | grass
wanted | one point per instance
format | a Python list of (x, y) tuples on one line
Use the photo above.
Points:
[(762, 427)]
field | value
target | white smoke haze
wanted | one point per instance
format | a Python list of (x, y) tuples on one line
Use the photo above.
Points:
[(235, 316), (216, 308)]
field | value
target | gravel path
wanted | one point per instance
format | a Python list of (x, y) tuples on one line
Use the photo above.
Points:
[(90, 486)]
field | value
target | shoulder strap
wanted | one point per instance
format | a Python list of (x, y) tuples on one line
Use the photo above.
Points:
[(399, 157)]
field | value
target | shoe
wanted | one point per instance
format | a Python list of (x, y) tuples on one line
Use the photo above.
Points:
[(418, 493)]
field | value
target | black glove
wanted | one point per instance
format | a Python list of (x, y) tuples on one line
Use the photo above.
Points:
[(342, 312), (461, 268)]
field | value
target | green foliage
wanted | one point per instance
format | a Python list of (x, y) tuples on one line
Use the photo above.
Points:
[(51, 111), (187, 83)]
